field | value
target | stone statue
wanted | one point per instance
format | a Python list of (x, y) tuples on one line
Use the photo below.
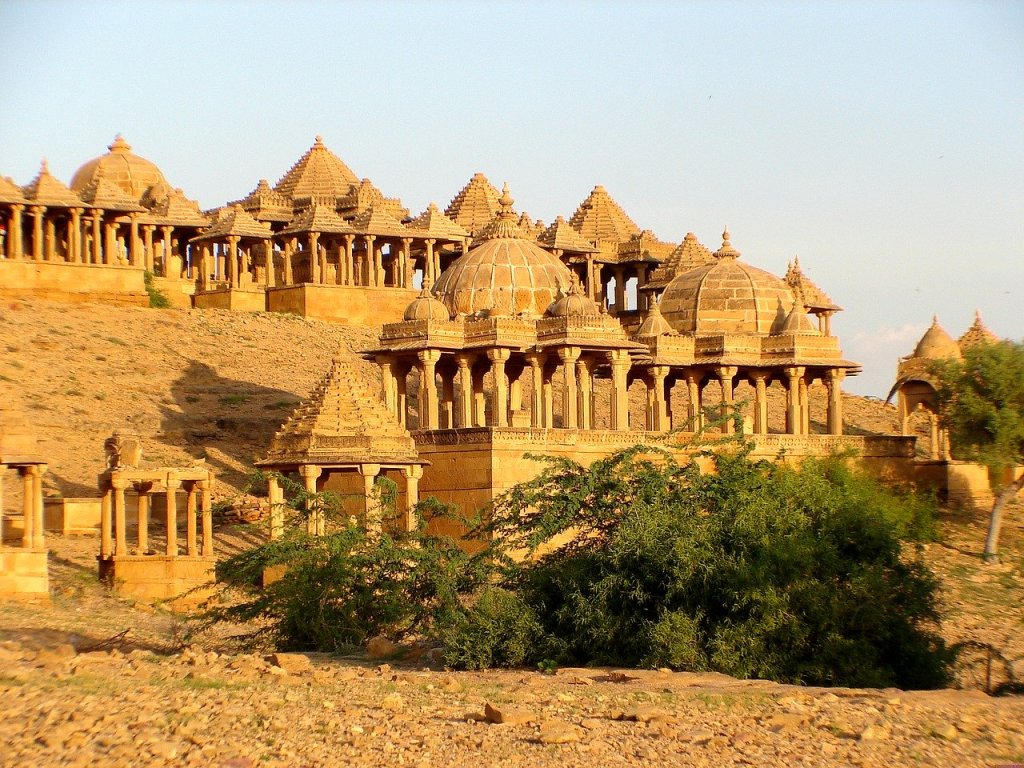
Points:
[(123, 449)]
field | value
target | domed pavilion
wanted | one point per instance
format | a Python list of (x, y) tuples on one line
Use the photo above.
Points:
[(505, 308), (729, 322), (118, 218), (915, 387)]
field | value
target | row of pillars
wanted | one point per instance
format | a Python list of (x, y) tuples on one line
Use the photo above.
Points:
[(371, 518), (797, 385), (113, 516), (466, 405), (32, 501), (368, 267), (88, 239), (449, 407)]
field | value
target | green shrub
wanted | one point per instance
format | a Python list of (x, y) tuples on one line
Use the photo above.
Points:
[(337, 590), (757, 569), (499, 630), (157, 298)]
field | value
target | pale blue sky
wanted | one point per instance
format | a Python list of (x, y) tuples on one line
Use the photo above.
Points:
[(883, 143)]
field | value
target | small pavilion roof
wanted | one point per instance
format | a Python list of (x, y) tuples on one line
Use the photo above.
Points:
[(319, 172), (475, 205), (105, 194), (342, 423), (318, 218), (11, 192), (978, 333), (176, 209), (689, 254), (810, 294), (434, 223), (235, 222), (46, 190), (560, 235), (376, 221), (600, 218)]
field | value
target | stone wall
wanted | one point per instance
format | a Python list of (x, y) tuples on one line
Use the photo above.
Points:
[(56, 281)]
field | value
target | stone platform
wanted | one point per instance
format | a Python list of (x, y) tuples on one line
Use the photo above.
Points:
[(23, 574), (160, 577)]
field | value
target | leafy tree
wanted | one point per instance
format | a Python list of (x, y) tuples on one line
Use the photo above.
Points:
[(981, 404)]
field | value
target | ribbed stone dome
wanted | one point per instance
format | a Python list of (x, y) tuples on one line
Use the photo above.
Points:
[(937, 344), (426, 307), (727, 296), (575, 303), (506, 273), (131, 173)]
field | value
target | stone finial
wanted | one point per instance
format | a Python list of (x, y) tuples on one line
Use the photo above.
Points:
[(318, 141), (119, 145), (726, 251), (505, 201)]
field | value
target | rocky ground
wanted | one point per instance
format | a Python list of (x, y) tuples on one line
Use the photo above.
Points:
[(94, 678)]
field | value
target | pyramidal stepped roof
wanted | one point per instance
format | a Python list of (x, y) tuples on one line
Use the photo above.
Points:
[(318, 218), (235, 222), (806, 290), (978, 333), (689, 254), (600, 218), (561, 236), (475, 205), (434, 223), (10, 192), (377, 221), (103, 193), (342, 423), (44, 189), (319, 172)]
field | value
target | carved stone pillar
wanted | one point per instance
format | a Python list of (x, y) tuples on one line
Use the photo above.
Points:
[(97, 236), (28, 507), (793, 416), (372, 511), (569, 356), (106, 523), (171, 494), (389, 393), (499, 404), (657, 416), (314, 258), (275, 498), (206, 507), (446, 418), (835, 401), (412, 475), (37, 231), (620, 290), (75, 236), (694, 408), (142, 516), (428, 388), (316, 525), (536, 361), (585, 394), (120, 525), (465, 374), (191, 545), (760, 379), (620, 363), (726, 374)]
